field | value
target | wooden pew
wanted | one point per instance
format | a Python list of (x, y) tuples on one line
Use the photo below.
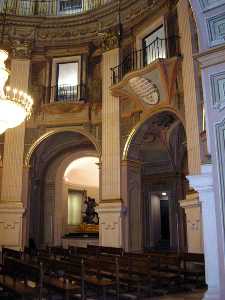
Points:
[(137, 273), (100, 250), (64, 276), (193, 268), (22, 279), (100, 273), (11, 253), (59, 252)]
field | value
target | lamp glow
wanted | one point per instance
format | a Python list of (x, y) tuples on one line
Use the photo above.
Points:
[(15, 106)]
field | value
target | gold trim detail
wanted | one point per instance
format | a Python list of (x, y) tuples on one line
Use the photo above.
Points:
[(140, 123), (55, 131)]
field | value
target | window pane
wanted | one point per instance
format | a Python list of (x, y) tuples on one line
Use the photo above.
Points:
[(155, 45), (68, 74), (75, 201), (65, 5)]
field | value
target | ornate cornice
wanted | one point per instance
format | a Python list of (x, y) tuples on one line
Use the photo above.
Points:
[(83, 28)]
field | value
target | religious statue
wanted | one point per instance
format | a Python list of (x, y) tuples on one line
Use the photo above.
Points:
[(91, 216)]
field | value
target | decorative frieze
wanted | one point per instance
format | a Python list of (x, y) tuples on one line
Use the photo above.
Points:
[(218, 90), (220, 140), (206, 4), (216, 29)]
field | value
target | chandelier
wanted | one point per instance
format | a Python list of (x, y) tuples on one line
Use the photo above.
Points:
[(15, 105)]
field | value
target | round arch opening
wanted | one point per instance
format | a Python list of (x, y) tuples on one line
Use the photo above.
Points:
[(59, 156)]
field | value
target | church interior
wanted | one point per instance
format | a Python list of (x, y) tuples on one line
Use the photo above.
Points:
[(112, 149)]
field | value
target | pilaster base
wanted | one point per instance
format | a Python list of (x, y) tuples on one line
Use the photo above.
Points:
[(192, 208), (110, 223), (214, 294), (11, 215)]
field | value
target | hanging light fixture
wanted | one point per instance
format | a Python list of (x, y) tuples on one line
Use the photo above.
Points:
[(15, 105)]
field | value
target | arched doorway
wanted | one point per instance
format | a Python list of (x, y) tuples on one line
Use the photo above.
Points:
[(50, 161), (156, 166)]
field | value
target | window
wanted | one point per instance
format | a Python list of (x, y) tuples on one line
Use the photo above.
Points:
[(75, 204), (67, 81), (70, 6), (154, 45)]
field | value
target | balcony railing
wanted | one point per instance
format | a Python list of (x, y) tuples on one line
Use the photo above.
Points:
[(68, 93), (53, 8), (159, 48)]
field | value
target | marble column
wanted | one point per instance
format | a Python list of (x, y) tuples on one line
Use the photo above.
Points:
[(192, 208), (110, 207), (204, 185), (11, 204), (190, 79)]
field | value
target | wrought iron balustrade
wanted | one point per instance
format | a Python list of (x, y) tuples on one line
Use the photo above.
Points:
[(68, 93), (53, 8), (159, 48)]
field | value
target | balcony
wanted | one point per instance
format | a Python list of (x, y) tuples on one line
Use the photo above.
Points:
[(61, 99), (50, 8), (137, 60), (68, 93)]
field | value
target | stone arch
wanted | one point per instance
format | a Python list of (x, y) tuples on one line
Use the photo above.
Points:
[(58, 188), (156, 146), (55, 131), (139, 125), (46, 156)]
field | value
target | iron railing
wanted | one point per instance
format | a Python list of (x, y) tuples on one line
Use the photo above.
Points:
[(49, 7), (68, 93), (159, 48)]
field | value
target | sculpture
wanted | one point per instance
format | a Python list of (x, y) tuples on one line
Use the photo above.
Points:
[(91, 216)]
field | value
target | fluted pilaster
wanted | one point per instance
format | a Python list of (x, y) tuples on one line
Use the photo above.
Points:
[(190, 88), (110, 131), (11, 204), (14, 140)]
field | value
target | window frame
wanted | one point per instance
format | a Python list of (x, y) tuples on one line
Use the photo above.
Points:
[(148, 35), (54, 79), (70, 10), (84, 196), (148, 29)]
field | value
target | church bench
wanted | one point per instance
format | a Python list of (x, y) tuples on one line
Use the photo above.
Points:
[(105, 250), (193, 267), (59, 252), (64, 275), (22, 279), (11, 253), (100, 273)]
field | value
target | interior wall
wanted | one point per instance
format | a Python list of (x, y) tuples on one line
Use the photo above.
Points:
[(92, 192), (155, 220), (61, 208)]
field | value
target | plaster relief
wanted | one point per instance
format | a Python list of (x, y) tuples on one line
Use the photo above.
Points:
[(205, 4), (145, 89), (220, 140), (218, 90), (216, 29), (10, 233)]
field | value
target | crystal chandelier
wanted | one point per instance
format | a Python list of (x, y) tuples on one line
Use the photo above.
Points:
[(15, 105)]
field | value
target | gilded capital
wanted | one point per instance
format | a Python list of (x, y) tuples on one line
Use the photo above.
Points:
[(110, 40), (21, 49)]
